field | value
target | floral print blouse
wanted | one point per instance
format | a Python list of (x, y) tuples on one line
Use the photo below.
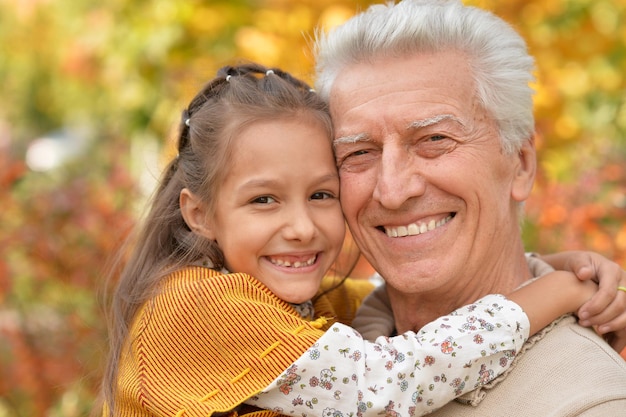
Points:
[(411, 374)]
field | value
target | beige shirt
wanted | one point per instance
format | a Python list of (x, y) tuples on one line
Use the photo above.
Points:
[(564, 370)]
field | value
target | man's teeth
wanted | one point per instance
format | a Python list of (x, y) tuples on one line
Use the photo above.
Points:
[(296, 264), (415, 229)]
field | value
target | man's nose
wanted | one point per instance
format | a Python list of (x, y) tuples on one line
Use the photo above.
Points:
[(398, 178)]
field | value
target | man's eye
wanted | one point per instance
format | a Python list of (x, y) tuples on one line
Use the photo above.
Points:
[(343, 156), (352, 157), (435, 145), (356, 160), (264, 199)]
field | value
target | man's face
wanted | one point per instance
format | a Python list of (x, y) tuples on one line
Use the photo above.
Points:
[(425, 188)]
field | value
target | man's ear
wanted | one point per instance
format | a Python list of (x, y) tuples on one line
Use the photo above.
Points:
[(195, 214), (525, 171)]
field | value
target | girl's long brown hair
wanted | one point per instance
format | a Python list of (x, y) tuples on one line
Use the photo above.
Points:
[(236, 97)]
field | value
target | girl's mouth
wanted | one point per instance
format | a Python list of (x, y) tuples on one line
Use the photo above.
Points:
[(293, 261)]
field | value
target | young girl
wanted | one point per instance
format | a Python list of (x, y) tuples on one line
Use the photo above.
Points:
[(254, 191)]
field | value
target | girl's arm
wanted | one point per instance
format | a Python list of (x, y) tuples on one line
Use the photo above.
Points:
[(417, 373), (606, 310), (565, 293)]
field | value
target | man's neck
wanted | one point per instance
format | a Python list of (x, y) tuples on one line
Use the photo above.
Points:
[(413, 311)]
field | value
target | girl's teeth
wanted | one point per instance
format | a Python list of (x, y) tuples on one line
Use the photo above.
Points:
[(296, 264)]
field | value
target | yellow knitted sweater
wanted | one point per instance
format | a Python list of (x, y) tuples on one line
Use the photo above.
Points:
[(208, 341)]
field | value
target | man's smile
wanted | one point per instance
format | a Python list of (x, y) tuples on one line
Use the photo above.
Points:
[(415, 228)]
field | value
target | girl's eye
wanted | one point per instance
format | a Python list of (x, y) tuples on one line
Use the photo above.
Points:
[(321, 195), (264, 200)]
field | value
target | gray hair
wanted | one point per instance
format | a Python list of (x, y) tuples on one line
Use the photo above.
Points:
[(499, 56)]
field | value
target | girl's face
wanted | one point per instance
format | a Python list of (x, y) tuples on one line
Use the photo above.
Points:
[(277, 214)]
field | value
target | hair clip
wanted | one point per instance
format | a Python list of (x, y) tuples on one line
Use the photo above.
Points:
[(187, 122), (228, 78), (268, 72)]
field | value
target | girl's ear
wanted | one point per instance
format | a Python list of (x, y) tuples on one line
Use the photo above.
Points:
[(195, 214)]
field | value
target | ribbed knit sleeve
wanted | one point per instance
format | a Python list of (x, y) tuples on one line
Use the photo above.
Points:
[(205, 343)]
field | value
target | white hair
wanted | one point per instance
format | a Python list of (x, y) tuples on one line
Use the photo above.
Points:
[(502, 67)]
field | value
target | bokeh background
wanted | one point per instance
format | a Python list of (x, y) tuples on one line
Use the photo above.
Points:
[(90, 100)]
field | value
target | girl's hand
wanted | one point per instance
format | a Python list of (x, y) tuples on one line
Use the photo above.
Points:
[(606, 310)]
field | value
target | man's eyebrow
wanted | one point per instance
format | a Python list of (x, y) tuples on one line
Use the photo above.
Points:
[(429, 121), (359, 137)]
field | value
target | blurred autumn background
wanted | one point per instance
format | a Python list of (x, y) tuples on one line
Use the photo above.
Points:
[(90, 97)]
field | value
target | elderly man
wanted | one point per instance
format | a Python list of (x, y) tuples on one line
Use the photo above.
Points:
[(434, 143)]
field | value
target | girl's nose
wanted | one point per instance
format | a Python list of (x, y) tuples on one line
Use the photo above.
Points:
[(299, 225)]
